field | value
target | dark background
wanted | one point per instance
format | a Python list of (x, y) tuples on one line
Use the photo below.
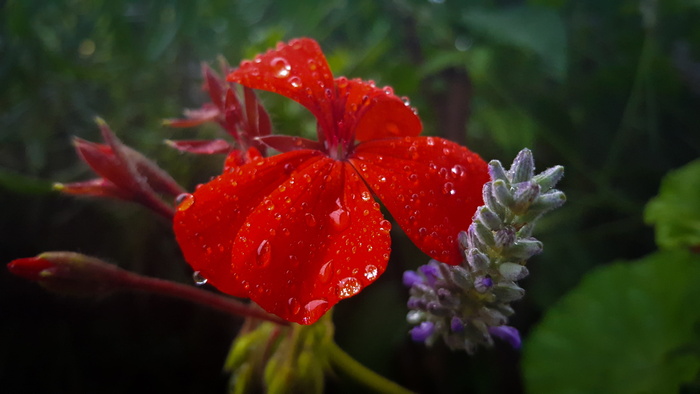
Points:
[(609, 89)]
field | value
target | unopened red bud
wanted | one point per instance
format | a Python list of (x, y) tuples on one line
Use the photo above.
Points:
[(68, 273), (29, 267)]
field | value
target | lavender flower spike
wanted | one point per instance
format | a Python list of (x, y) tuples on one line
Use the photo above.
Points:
[(468, 305)]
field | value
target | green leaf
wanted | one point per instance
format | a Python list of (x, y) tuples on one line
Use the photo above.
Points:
[(531, 28), (676, 210), (627, 328)]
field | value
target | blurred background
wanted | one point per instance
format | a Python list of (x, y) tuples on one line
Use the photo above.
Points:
[(609, 89)]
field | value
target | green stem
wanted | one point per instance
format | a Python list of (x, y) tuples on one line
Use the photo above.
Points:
[(362, 374)]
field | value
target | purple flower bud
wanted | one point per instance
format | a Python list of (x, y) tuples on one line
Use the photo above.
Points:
[(410, 278), (508, 334), (422, 331), (415, 303), (482, 284), (431, 273), (456, 325)]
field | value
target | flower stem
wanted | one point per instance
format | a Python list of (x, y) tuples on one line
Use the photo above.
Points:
[(172, 289), (362, 374)]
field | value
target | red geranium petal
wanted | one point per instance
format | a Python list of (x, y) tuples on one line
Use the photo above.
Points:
[(431, 186), (317, 238), (206, 222), (297, 70), (376, 112)]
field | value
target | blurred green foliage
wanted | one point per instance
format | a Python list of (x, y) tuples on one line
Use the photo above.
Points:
[(610, 90)]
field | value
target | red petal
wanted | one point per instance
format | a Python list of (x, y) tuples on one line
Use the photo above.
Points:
[(317, 238), (195, 117), (206, 147), (376, 113), (431, 186), (206, 222), (297, 70), (236, 158), (98, 187)]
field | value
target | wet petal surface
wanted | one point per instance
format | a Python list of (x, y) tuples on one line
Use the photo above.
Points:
[(206, 222), (317, 238), (430, 185)]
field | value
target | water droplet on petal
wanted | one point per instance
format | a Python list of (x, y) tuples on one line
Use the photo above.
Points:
[(294, 306), (348, 287), (184, 201), (315, 307), (366, 196), (198, 279), (340, 219), (264, 253), (449, 188), (458, 171), (371, 272), (310, 220), (295, 82), (280, 67), (326, 271)]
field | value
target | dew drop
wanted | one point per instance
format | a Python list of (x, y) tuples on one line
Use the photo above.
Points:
[(310, 220), (294, 306), (280, 67), (264, 253), (340, 219), (348, 287), (371, 272), (422, 231), (295, 82), (184, 201), (449, 188), (198, 279), (326, 271), (366, 196), (314, 308), (458, 171)]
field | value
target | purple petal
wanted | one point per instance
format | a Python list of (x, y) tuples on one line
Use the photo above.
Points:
[(431, 272), (411, 278), (422, 331), (508, 334), (456, 325)]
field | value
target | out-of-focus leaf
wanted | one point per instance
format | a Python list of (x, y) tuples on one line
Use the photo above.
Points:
[(630, 327), (23, 184), (536, 29), (675, 212), (511, 128)]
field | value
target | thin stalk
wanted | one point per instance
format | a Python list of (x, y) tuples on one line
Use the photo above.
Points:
[(344, 362), (172, 289)]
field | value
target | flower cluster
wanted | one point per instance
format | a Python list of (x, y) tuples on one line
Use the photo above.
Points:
[(299, 231), (468, 304)]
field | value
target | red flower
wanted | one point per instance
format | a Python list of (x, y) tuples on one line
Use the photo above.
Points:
[(299, 231)]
